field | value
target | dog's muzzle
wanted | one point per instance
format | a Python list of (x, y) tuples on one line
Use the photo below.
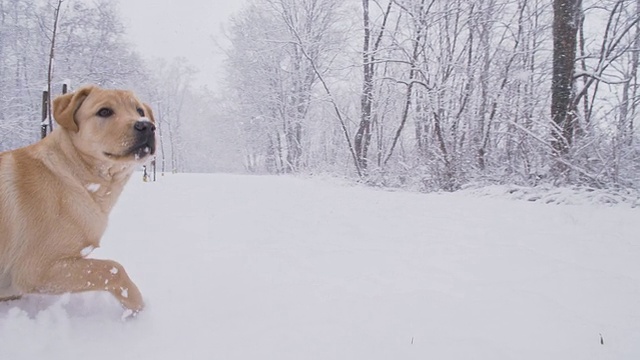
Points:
[(145, 143)]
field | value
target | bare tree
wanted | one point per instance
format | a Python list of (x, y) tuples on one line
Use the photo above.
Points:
[(370, 48), (280, 47), (54, 31)]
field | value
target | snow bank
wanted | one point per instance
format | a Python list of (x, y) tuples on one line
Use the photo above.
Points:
[(547, 194)]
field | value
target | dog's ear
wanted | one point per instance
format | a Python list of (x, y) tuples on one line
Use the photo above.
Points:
[(148, 112), (65, 107)]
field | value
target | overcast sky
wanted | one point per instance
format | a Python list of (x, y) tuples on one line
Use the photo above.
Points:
[(185, 28)]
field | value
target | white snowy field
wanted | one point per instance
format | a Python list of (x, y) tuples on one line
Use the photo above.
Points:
[(252, 267)]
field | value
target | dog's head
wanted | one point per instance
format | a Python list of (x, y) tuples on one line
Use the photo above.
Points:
[(112, 125)]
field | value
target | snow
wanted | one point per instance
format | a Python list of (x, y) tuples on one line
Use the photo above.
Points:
[(87, 251), (259, 267), (93, 187)]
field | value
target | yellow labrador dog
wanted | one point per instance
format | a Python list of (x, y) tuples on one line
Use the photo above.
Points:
[(56, 195)]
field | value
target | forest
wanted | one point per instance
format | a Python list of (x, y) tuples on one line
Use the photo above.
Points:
[(425, 95)]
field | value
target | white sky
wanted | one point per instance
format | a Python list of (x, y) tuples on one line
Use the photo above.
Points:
[(186, 28)]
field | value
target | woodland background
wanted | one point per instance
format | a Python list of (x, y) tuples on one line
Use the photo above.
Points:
[(419, 94)]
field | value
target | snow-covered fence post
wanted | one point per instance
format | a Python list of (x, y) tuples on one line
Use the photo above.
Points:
[(45, 114), (46, 124)]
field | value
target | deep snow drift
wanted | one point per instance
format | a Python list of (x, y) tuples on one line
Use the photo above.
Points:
[(241, 267)]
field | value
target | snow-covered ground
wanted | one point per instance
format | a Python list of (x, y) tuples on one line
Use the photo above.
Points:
[(256, 267)]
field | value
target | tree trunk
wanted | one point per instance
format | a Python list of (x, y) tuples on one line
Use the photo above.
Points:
[(565, 25), (363, 135), (54, 31), (362, 138), (631, 102)]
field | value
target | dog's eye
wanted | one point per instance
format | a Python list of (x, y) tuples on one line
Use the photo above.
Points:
[(105, 112), (141, 112)]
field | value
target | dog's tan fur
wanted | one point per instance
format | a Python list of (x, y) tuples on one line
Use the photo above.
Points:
[(56, 195)]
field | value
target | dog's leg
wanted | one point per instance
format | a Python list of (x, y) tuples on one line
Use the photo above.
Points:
[(77, 275), (11, 298)]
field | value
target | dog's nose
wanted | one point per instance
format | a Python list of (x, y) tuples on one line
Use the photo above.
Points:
[(144, 126)]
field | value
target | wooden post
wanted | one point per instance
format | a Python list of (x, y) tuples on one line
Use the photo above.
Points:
[(45, 112)]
